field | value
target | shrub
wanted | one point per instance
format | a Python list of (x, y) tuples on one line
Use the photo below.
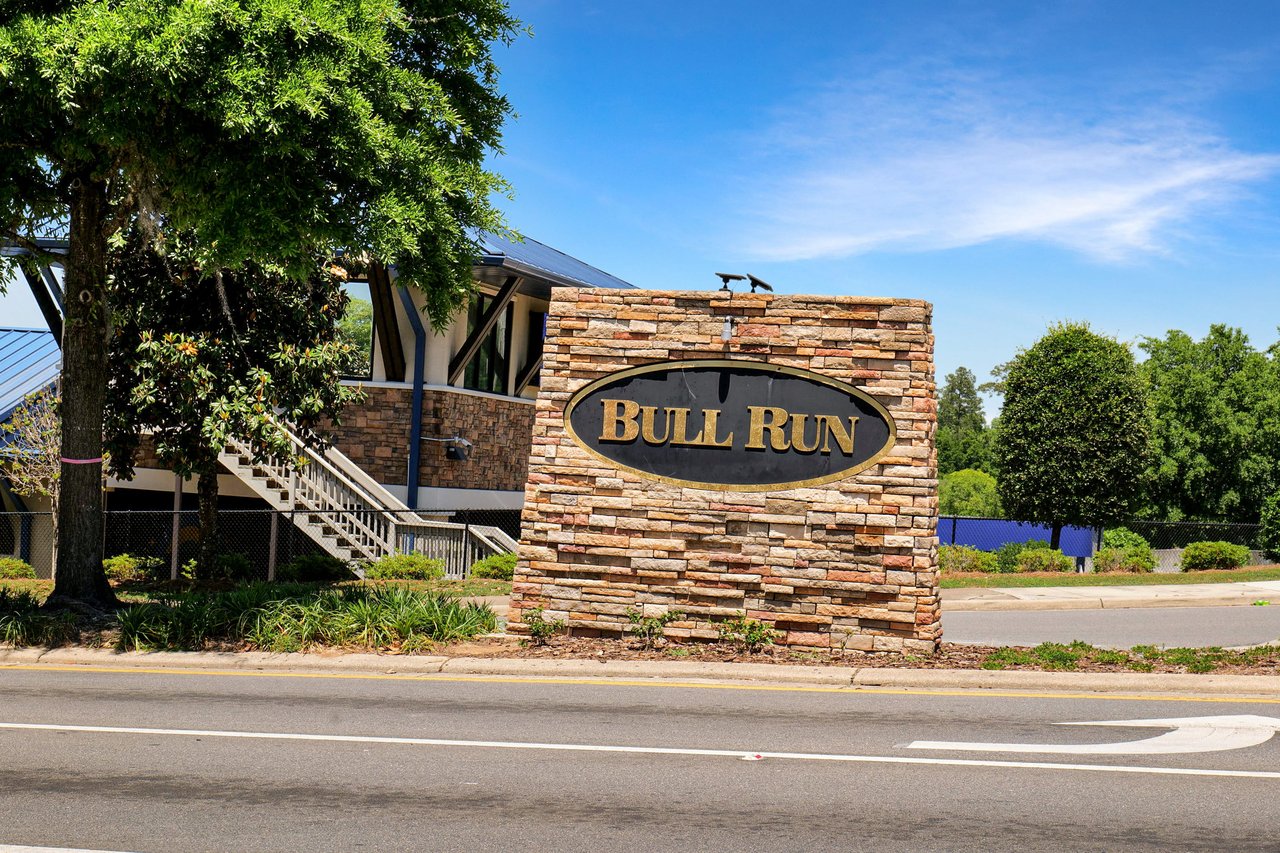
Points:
[(541, 628), (1269, 527), (1124, 560), (405, 567), (237, 568), (314, 568), (290, 618), (651, 628), (11, 568), (1213, 555), (123, 568), (23, 623), (1123, 538), (1044, 560), (962, 558), (500, 567), (751, 634), (1008, 553), (1124, 551), (970, 493)]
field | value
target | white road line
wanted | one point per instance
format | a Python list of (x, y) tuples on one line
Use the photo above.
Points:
[(646, 750)]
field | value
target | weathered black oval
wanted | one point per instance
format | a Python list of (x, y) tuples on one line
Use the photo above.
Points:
[(608, 419)]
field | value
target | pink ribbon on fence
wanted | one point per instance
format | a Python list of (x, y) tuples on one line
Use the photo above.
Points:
[(80, 461)]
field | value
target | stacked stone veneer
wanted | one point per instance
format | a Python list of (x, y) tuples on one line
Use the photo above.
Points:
[(375, 435), (847, 564)]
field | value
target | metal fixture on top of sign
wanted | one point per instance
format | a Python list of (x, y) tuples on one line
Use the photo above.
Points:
[(726, 277)]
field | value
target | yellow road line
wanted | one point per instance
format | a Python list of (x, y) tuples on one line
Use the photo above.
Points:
[(605, 681)]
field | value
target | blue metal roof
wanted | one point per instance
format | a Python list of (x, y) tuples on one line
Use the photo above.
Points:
[(29, 361), (540, 258)]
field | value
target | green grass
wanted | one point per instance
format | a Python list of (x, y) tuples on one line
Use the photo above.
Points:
[(1071, 656), (1267, 573)]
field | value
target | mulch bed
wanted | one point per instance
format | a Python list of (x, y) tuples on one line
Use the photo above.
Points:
[(951, 656)]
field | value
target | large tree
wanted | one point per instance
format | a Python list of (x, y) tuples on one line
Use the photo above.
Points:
[(273, 131), (198, 360), (963, 437), (1215, 407), (1073, 440)]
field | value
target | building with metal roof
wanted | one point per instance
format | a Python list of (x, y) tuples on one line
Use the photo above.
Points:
[(29, 361)]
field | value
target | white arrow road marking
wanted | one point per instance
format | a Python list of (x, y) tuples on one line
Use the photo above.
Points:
[(654, 750), (1190, 734)]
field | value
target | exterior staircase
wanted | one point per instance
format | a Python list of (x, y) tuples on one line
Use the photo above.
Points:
[(350, 515)]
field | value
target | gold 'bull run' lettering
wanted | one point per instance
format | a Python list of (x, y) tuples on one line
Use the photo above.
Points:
[(626, 420)]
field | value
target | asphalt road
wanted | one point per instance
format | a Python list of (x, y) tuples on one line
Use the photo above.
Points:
[(172, 762), (1173, 627)]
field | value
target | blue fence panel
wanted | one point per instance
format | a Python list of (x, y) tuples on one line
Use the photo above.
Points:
[(988, 534)]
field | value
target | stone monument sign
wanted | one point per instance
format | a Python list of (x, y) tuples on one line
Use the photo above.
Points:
[(729, 454)]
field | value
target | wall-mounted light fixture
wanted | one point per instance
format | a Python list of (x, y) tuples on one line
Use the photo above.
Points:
[(456, 447), (727, 332)]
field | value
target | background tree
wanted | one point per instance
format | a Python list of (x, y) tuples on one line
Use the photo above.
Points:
[(29, 452), (274, 131), (1073, 440), (969, 493), (963, 438), (1215, 406), (197, 361)]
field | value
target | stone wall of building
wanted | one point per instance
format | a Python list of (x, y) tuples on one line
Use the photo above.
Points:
[(851, 563), (375, 435)]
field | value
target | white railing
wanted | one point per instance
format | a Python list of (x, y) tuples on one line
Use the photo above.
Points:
[(310, 482), (346, 510)]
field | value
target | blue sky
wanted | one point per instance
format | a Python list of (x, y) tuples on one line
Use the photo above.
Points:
[(1016, 164)]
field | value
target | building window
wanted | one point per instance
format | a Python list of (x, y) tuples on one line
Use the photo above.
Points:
[(537, 337), (488, 370), (356, 327)]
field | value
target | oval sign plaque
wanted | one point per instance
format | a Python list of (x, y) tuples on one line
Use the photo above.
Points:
[(730, 424)]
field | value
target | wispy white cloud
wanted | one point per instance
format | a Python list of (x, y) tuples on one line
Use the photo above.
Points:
[(933, 157)]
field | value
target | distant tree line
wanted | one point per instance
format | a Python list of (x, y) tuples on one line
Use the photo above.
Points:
[(1089, 435)]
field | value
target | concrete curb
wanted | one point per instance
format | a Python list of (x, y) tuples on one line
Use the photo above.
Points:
[(747, 674), (1011, 604)]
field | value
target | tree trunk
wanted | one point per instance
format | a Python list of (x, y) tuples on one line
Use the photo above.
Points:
[(1055, 538), (207, 561), (79, 580)]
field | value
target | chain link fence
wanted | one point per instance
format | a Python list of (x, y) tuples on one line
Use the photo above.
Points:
[(255, 543)]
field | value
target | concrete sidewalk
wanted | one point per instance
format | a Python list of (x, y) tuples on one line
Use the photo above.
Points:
[(1110, 597)]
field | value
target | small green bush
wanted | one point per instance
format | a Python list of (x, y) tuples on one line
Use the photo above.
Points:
[(650, 629), (1044, 560), (1132, 560), (12, 569), (540, 627), (751, 634), (1008, 553), (124, 568), (314, 568), (404, 567), (1123, 537), (501, 567), (1269, 527), (1213, 555), (1124, 551), (962, 558)]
